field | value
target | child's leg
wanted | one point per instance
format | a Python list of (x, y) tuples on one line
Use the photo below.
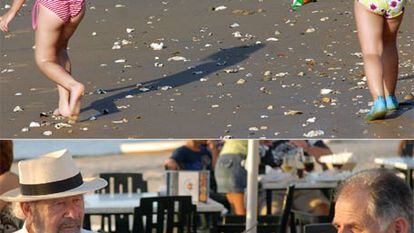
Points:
[(63, 93), (390, 56), (370, 33), (48, 34), (67, 32), (63, 105)]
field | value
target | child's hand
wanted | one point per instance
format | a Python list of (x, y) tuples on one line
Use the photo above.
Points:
[(5, 20)]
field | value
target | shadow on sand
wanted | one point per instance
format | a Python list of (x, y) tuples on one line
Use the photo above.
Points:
[(213, 63), (403, 108)]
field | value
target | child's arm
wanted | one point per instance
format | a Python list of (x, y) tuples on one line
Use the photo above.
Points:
[(6, 18)]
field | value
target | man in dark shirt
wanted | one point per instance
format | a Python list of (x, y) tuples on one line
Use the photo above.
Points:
[(193, 156), (197, 155)]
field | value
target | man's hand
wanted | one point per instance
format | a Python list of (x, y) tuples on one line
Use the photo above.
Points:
[(211, 144), (5, 20), (171, 164)]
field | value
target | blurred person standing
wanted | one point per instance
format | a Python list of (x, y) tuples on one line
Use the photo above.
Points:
[(231, 175), (8, 181), (406, 148)]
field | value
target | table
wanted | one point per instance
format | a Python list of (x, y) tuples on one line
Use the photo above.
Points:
[(299, 185), (125, 204), (269, 187), (403, 164), (113, 203)]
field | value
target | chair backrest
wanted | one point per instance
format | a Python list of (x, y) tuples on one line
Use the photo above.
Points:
[(331, 205), (241, 228), (266, 223), (123, 183), (165, 214), (265, 219), (237, 223), (320, 228)]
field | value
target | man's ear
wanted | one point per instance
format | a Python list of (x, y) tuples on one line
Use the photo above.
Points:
[(400, 225), (27, 208)]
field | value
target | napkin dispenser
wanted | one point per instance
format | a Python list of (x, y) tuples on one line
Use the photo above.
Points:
[(189, 183)]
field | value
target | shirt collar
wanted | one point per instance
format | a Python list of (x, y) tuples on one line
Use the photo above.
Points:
[(24, 230)]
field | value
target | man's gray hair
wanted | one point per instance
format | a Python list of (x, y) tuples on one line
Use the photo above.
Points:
[(389, 196), (17, 210)]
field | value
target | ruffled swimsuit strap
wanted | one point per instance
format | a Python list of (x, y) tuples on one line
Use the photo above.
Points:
[(35, 13)]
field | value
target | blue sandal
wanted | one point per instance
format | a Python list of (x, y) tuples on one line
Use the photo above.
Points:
[(391, 102), (378, 110)]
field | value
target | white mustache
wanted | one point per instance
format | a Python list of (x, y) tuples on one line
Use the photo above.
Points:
[(70, 223)]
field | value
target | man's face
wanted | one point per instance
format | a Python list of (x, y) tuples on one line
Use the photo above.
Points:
[(351, 214), (58, 215), (200, 142)]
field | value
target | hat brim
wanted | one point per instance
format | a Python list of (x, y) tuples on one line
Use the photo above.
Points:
[(89, 185)]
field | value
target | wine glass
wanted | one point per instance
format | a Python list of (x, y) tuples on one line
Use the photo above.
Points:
[(309, 163), (289, 164), (299, 154)]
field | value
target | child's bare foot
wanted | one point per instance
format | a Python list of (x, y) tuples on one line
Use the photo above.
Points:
[(56, 113), (74, 117), (76, 94), (63, 109)]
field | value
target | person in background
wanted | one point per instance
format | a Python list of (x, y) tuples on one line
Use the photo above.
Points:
[(374, 201), (231, 175), (195, 155), (313, 201), (377, 24), (274, 151), (406, 148), (198, 155), (8, 181)]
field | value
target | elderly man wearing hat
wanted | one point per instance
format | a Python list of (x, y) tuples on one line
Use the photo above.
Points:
[(50, 196)]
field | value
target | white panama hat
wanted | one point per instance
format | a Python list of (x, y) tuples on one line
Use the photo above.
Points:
[(54, 175)]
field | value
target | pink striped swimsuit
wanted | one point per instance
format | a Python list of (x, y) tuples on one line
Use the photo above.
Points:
[(64, 9)]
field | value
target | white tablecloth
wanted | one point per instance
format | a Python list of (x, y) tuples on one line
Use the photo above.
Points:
[(397, 162), (125, 203)]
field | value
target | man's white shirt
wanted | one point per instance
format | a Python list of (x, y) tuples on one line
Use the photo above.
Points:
[(24, 230)]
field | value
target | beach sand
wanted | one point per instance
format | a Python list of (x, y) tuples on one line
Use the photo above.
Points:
[(316, 49)]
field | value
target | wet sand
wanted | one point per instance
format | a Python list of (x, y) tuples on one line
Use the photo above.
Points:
[(316, 49)]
